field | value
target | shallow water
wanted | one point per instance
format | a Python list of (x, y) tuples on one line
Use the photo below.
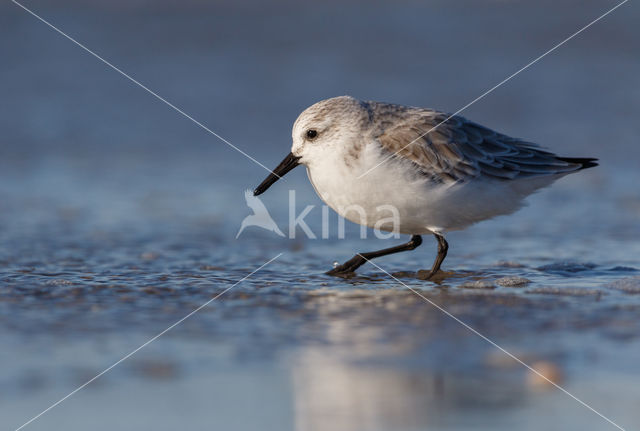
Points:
[(118, 217)]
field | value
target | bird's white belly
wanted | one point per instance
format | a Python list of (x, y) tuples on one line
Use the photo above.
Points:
[(392, 197), (386, 198), (375, 205)]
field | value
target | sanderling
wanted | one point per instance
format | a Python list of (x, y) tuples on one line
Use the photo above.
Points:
[(439, 175)]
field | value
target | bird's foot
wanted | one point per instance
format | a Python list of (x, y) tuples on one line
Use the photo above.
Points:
[(347, 269), (425, 275), (435, 276)]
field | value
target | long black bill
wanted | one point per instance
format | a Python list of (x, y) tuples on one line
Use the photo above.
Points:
[(285, 166)]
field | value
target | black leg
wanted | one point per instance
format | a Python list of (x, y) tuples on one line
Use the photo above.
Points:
[(361, 258), (443, 247)]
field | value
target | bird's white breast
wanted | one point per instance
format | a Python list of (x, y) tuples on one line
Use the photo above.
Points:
[(373, 197), (421, 205)]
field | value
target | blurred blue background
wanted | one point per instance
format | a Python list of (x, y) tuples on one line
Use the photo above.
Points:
[(118, 216)]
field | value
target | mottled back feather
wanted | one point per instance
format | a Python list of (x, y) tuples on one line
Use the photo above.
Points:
[(459, 150)]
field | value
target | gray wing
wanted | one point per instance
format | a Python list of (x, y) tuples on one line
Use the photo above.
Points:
[(459, 150)]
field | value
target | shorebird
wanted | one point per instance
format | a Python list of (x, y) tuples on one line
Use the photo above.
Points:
[(440, 172)]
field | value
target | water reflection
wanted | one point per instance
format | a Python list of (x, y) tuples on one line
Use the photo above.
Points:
[(350, 382)]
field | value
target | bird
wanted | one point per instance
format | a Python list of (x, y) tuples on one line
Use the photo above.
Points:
[(260, 216), (440, 172)]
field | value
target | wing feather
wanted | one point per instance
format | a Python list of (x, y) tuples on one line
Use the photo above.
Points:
[(459, 150)]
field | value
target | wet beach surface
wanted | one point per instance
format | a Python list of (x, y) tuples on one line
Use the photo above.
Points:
[(118, 217)]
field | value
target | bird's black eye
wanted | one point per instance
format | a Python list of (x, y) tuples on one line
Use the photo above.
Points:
[(312, 133)]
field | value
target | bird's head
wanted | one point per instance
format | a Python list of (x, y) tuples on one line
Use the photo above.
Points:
[(326, 127)]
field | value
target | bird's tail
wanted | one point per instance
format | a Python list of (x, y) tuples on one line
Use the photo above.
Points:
[(584, 162)]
